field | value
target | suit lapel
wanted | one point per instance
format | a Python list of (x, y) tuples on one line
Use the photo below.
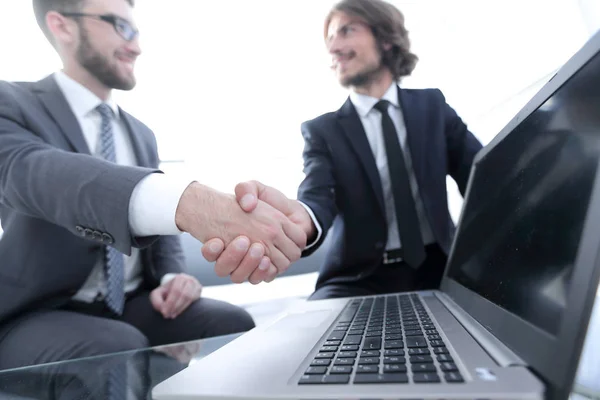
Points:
[(415, 137), (353, 128), (55, 103), (136, 141)]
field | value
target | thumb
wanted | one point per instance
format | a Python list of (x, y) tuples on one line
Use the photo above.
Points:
[(212, 249), (157, 298), (246, 194)]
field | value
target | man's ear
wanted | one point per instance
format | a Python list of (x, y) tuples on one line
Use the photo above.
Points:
[(60, 28)]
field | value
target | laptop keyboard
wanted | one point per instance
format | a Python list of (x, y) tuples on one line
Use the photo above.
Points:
[(384, 339)]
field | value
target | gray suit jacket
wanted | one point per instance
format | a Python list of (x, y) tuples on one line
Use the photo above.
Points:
[(59, 205)]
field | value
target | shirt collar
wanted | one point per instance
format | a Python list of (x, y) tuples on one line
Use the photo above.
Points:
[(81, 100), (364, 103)]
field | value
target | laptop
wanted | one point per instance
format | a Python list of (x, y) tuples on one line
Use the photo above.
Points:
[(510, 317)]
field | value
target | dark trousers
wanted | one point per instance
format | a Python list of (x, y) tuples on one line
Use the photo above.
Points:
[(391, 278), (80, 330)]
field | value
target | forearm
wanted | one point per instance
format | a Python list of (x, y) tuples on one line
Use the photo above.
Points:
[(72, 190)]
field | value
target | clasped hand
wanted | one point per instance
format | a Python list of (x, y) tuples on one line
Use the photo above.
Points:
[(253, 236)]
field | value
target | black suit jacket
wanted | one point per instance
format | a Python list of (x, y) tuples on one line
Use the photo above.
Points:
[(343, 188), (59, 205)]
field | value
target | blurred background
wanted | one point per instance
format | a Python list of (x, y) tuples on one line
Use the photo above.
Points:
[(226, 85)]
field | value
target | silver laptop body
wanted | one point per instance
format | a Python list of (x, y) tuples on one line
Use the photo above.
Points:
[(511, 315)]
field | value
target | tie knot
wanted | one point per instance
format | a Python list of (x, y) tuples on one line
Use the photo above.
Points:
[(382, 106), (105, 111)]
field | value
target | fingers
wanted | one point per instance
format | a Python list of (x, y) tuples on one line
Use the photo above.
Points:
[(212, 249), (247, 194), (174, 294), (185, 298), (255, 263), (262, 273), (232, 256), (157, 298), (296, 234)]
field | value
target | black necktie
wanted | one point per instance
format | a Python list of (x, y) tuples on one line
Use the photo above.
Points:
[(413, 249)]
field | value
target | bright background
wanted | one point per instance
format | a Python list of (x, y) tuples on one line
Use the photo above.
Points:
[(226, 85)]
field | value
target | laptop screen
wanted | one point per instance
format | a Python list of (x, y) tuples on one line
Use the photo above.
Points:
[(521, 226)]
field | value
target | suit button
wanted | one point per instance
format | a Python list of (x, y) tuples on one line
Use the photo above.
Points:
[(88, 233), (98, 236), (79, 229), (107, 238)]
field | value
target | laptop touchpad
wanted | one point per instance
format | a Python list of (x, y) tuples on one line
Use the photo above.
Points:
[(305, 320)]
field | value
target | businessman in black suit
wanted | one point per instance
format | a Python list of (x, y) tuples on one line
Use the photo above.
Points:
[(375, 169)]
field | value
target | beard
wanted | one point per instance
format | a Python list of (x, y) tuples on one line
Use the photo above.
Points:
[(361, 78), (99, 66)]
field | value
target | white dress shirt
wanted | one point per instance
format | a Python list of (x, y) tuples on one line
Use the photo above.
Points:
[(153, 202), (371, 121)]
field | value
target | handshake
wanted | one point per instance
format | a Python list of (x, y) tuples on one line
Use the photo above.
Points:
[(254, 235)]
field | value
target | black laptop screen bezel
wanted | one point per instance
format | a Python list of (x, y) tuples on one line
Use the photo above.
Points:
[(547, 355)]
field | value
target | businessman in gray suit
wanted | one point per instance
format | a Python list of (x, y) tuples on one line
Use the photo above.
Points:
[(90, 259)]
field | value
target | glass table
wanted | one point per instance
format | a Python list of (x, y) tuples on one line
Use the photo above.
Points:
[(118, 376), (133, 374)]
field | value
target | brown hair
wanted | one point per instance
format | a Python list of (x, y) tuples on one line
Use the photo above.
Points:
[(42, 7), (387, 24)]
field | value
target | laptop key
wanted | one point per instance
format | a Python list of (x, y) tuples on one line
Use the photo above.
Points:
[(316, 370), (436, 343), (393, 337), (363, 369), (393, 344), (310, 379), (416, 341), (420, 359), (350, 347), (448, 367), (328, 348), (325, 355), (441, 350), (372, 343), (355, 332), (417, 351), (347, 354), (430, 377), (340, 369), (414, 332), (369, 360), (370, 353), (394, 360), (423, 368), (394, 352), (434, 337), (321, 362), (336, 336), (381, 378), (344, 361), (391, 368), (332, 343), (336, 379), (445, 358), (353, 339), (373, 333), (453, 377)]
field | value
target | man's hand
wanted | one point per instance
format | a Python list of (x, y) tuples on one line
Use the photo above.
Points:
[(172, 298), (235, 259), (207, 214)]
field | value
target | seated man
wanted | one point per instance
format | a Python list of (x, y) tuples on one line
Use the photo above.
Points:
[(90, 257), (376, 168)]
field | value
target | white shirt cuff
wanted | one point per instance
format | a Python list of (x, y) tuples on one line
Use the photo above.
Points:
[(314, 220), (167, 278), (154, 202)]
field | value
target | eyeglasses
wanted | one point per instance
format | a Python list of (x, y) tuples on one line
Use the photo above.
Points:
[(121, 25)]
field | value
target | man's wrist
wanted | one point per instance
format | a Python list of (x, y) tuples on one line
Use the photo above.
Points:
[(188, 206)]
